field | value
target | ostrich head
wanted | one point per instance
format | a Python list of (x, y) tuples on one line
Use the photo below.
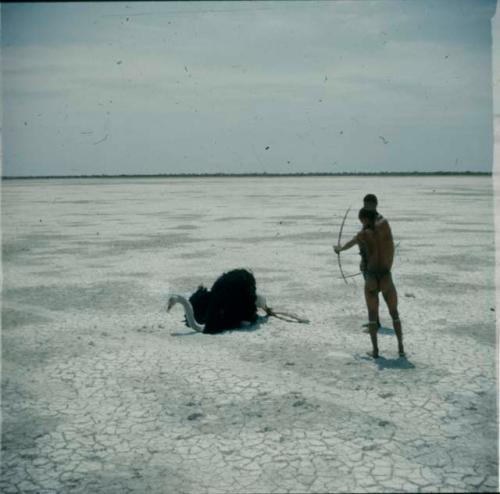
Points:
[(172, 300)]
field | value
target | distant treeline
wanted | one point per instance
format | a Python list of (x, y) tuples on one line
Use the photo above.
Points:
[(242, 175)]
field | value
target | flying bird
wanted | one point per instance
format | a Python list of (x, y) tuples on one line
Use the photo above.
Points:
[(102, 140), (383, 139)]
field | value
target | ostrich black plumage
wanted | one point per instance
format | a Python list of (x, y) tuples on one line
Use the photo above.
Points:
[(231, 300)]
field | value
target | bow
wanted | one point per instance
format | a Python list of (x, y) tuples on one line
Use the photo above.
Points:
[(338, 243)]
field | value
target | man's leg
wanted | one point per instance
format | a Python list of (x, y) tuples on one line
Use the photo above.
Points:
[(371, 297), (366, 277), (391, 299)]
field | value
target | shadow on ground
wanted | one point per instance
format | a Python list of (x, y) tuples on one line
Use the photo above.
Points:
[(247, 328), (388, 363), (394, 363)]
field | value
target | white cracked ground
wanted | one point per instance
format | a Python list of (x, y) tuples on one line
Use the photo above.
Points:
[(103, 391)]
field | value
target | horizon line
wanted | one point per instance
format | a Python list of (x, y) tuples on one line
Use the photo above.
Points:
[(243, 175)]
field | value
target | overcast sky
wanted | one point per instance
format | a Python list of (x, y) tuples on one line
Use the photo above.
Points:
[(203, 87)]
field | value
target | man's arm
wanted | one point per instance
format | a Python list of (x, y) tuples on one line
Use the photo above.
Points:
[(347, 245)]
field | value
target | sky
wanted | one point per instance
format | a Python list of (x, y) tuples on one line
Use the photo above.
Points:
[(247, 87)]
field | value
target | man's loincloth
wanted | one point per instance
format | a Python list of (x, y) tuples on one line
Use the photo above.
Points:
[(377, 275)]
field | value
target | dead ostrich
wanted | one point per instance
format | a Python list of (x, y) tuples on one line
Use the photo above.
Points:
[(231, 303)]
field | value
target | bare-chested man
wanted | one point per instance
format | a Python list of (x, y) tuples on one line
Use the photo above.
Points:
[(370, 202), (376, 240)]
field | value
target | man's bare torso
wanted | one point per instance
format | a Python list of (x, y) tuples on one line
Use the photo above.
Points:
[(379, 247)]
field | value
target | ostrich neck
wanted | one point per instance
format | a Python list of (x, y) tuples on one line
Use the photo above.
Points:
[(188, 309)]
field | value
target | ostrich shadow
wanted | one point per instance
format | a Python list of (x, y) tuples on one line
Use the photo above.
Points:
[(246, 328)]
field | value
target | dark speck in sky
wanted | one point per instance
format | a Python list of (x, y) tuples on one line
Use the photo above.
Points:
[(366, 85), (102, 140)]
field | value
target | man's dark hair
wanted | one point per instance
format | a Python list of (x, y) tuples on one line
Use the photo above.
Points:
[(369, 214), (371, 198)]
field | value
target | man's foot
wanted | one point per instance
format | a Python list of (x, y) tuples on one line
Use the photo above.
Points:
[(373, 354), (402, 354), (366, 324)]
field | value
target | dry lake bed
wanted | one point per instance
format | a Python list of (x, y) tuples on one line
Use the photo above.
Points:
[(104, 392)]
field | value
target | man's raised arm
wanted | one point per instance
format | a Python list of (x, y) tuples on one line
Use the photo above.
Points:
[(347, 245)]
